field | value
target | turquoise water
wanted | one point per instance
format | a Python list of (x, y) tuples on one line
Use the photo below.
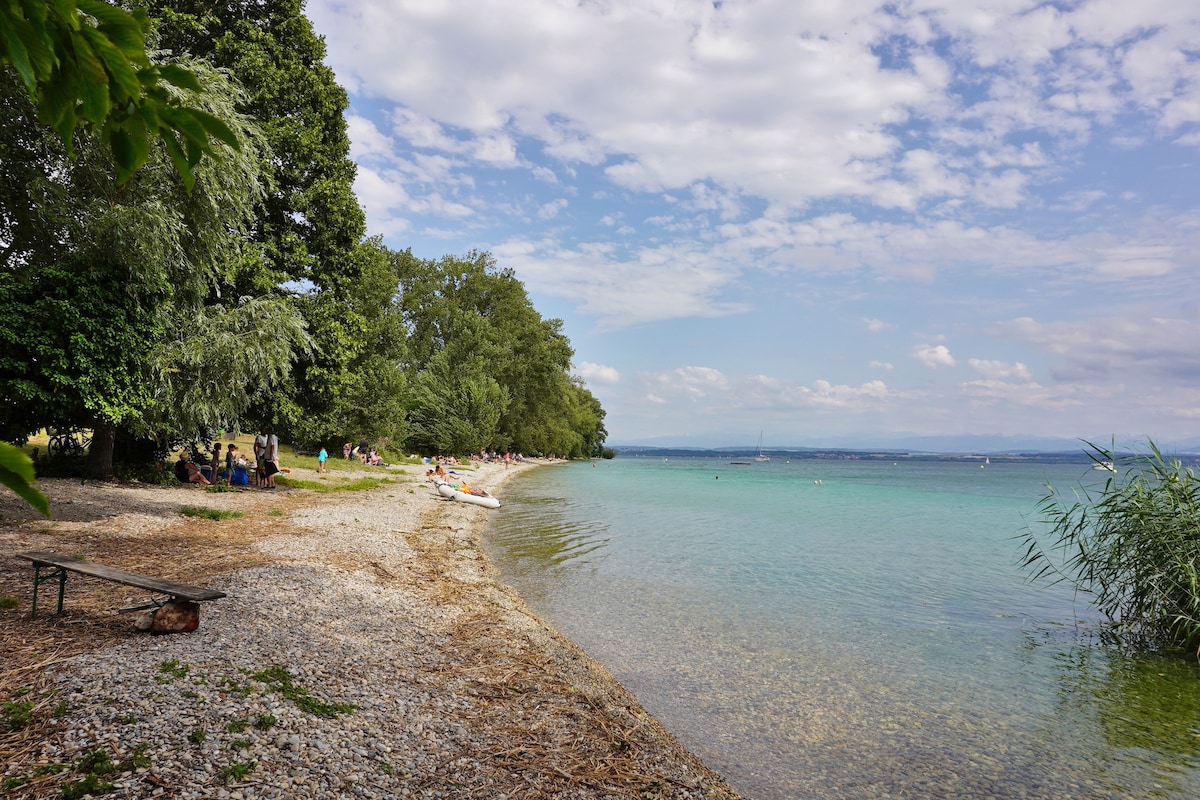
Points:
[(866, 637)]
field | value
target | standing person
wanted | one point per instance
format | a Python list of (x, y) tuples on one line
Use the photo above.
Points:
[(346, 448), (214, 466), (272, 457), (321, 456), (260, 458)]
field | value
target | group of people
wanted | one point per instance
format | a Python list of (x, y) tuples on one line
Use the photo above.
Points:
[(266, 461), (491, 456), (235, 464), (363, 452)]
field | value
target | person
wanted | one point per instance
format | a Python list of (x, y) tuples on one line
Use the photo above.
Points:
[(260, 457), (272, 457), (214, 466), (374, 459), (187, 471), (363, 452), (321, 456), (346, 448)]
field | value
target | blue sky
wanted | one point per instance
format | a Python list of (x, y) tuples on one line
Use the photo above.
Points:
[(833, 221)]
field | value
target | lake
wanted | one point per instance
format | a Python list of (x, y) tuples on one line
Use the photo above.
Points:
[(848, 628)]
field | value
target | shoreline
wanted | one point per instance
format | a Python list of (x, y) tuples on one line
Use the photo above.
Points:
[(382, 600)]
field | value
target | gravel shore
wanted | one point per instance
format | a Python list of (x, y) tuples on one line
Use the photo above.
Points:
[(365, 649)]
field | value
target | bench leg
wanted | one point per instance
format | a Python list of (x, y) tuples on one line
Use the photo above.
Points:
[(39, 579)]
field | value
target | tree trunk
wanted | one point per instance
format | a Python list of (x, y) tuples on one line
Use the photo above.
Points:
[(100, 454)]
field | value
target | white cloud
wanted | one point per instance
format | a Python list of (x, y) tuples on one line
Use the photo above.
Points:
[(999, 370), (597, 373), (886, 366), (691, 383), (1133, 261), (828, 395), (1113, 347), (933, 356), (550, 210), (879, 326), (650, 284)]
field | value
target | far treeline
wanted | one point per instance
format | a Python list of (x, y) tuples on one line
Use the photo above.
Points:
[(144, 307)]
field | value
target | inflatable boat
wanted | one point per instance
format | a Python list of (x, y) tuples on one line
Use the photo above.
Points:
[(465, 494)]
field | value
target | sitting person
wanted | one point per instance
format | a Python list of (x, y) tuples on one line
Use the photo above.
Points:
[(374, 459), (187, 471)]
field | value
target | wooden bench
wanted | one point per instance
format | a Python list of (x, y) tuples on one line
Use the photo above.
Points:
[(59, 566)]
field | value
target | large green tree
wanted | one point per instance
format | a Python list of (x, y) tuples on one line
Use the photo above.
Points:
[(308, 224), (475, 333), (123, 291)]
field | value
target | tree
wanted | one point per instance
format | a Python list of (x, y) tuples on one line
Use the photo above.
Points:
[(471, 324), (85, 61), (133, 323), (355, 387), (1133, 544), (308, 225), (454, 411)]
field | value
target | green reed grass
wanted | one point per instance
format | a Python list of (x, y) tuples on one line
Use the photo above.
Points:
[(1133, 545)]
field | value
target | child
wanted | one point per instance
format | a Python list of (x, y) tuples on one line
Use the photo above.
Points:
[(321, 456)]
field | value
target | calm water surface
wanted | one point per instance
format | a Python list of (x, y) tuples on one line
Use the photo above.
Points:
[(866, 637)]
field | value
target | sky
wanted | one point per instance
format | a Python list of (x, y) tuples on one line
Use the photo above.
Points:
[(829, 221)]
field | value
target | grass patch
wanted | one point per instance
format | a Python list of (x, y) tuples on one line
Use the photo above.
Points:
[(281, 680), (95, 765), (238, 726), (237, 770), (209, 513), (197, 736), (17, 713), (174, 668), (230, 685), (8, 601), (356, 485)]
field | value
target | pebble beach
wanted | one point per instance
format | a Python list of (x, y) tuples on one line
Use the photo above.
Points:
[(364, 649)]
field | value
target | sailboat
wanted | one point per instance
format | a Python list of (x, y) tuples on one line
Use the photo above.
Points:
[(760, 456)]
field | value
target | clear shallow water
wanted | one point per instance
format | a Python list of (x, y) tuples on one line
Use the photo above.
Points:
[(868, 637)]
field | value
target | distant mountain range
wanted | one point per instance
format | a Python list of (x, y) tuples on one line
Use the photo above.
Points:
[(988, 445)]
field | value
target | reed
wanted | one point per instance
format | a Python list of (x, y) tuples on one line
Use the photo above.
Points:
[(1132, 544)]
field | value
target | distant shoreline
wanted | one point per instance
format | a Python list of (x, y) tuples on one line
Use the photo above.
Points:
[(836, 454)]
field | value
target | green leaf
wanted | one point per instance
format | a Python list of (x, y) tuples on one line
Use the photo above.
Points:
[(16, 52), (124, 30), (217, 128), (130, 146), (114, 66), (181, 77), (16, 472), (182, 165)]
